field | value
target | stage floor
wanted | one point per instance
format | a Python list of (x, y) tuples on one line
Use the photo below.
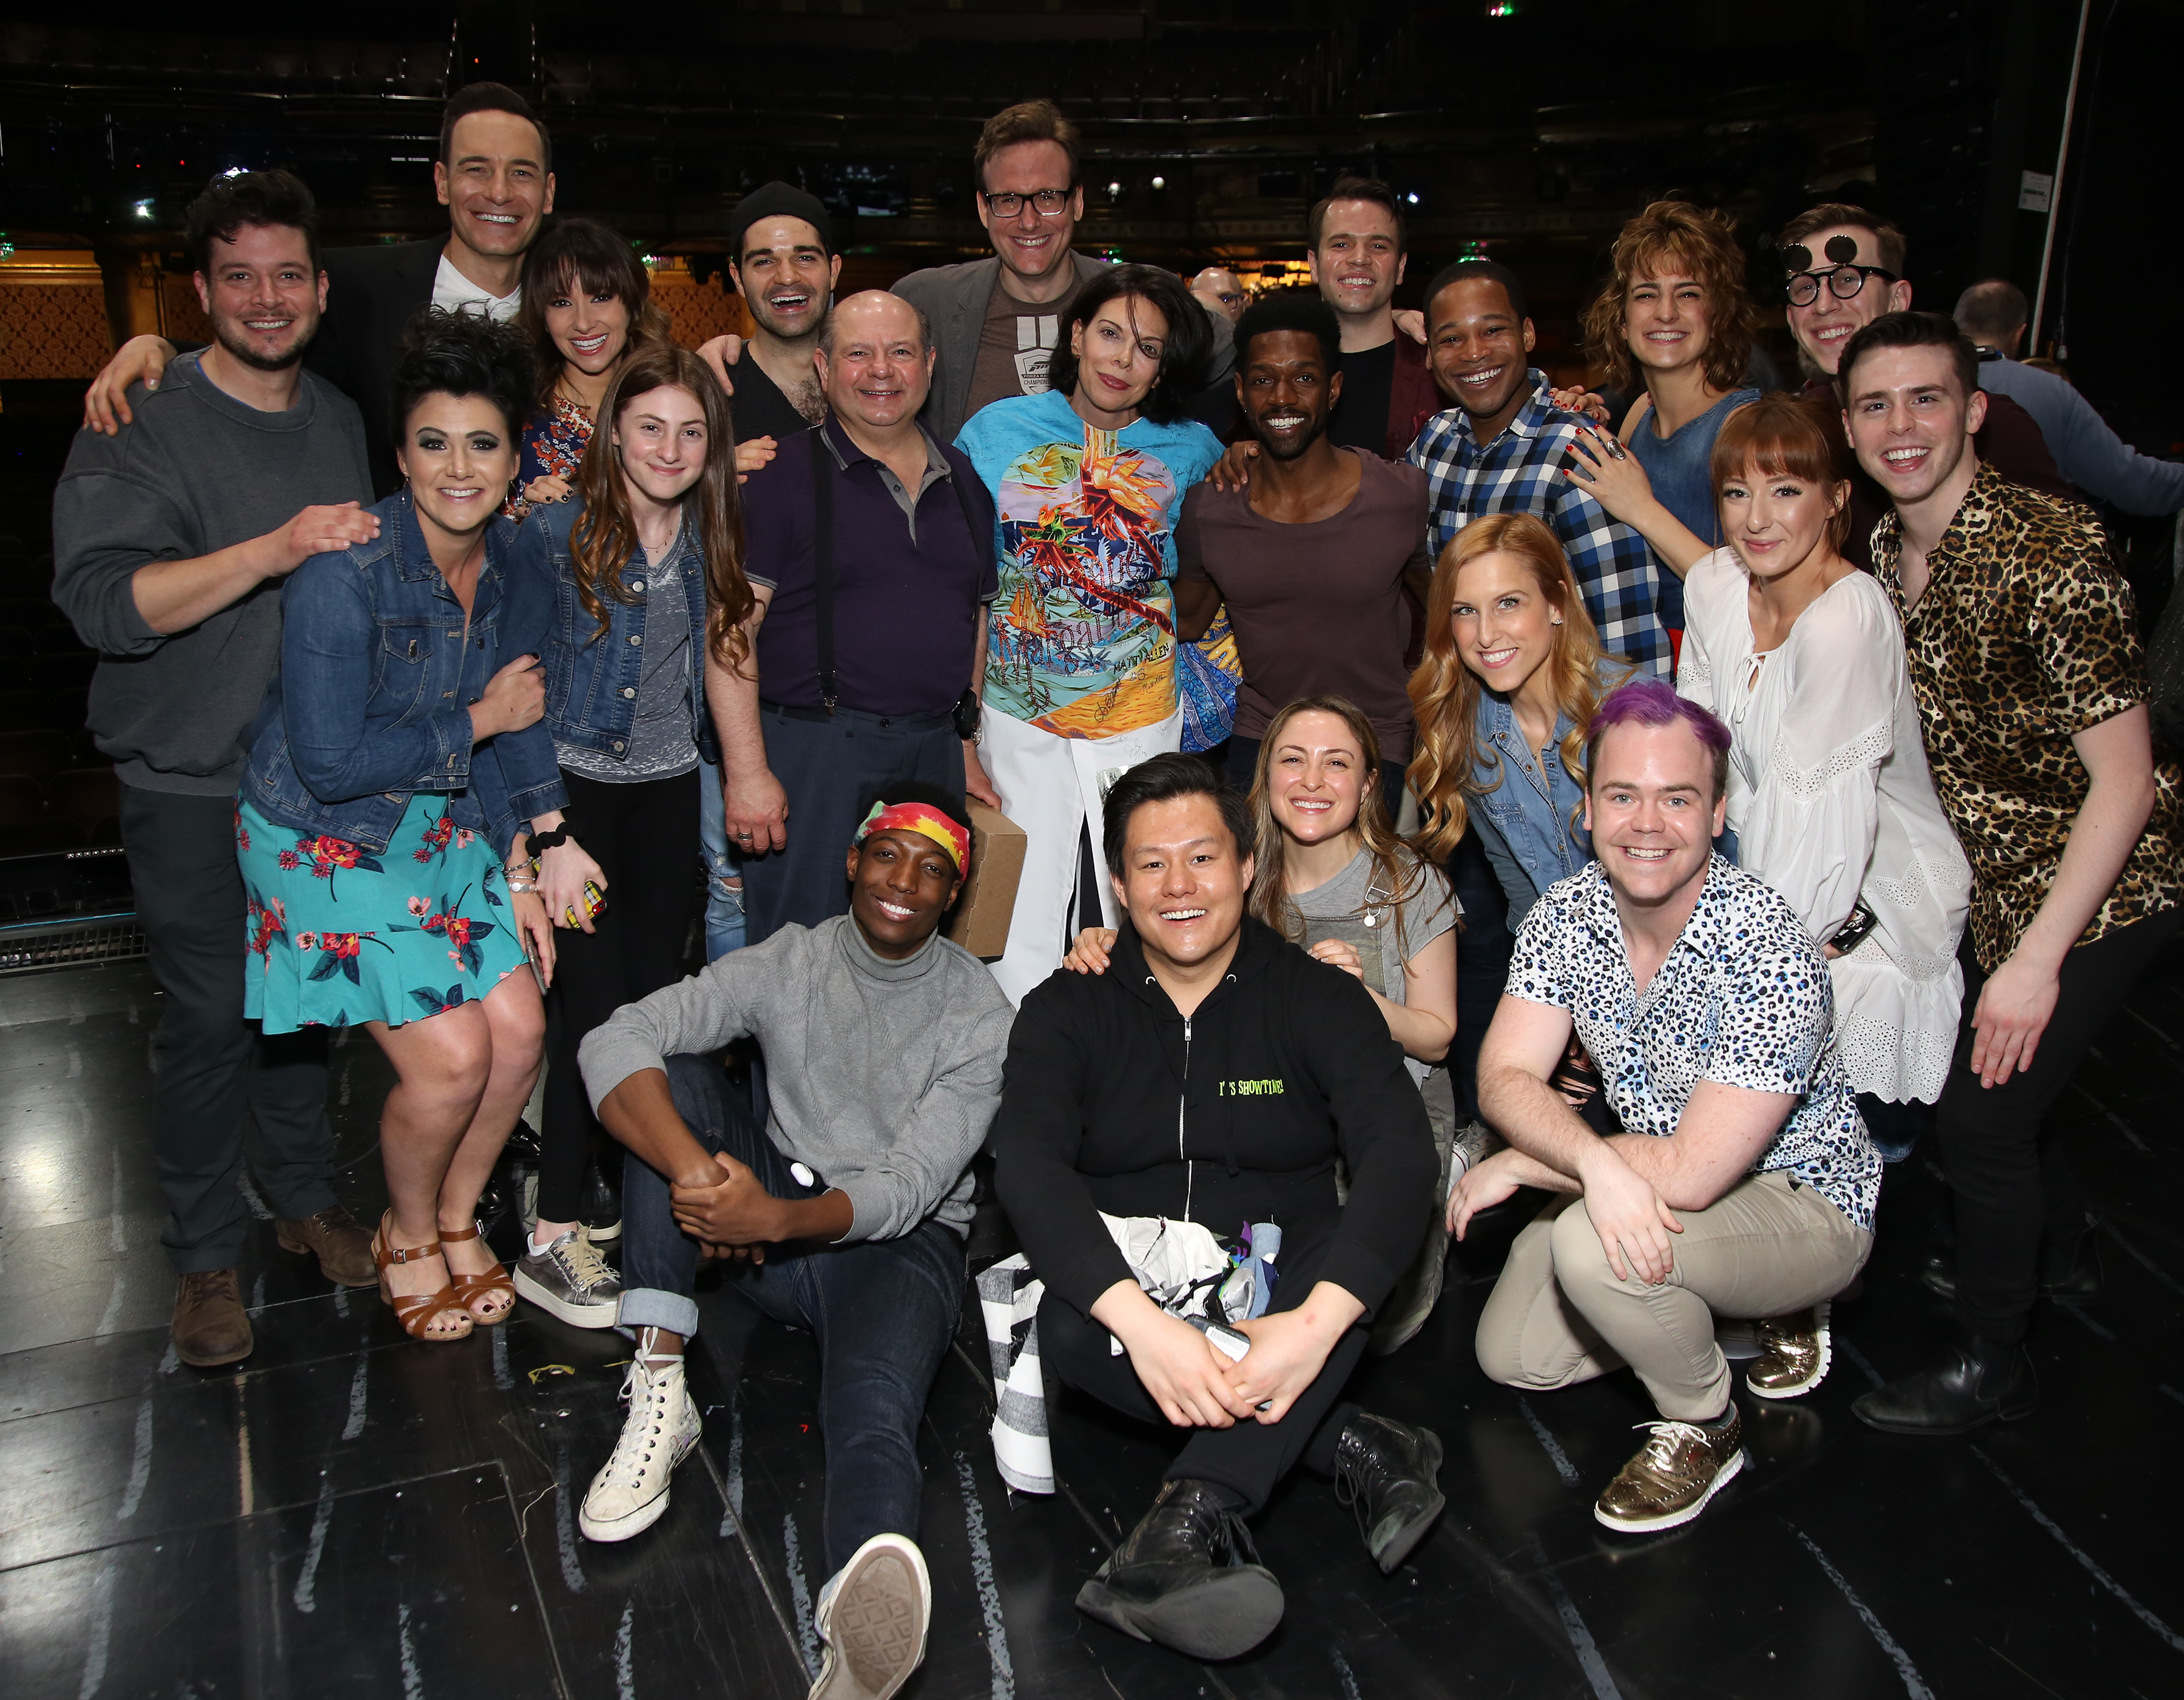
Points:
[(355, 1514)]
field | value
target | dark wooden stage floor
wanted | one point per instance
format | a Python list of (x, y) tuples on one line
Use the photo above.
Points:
[(353, 1514)]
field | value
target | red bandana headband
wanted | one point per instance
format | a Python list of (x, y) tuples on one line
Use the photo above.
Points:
[(923, 818)]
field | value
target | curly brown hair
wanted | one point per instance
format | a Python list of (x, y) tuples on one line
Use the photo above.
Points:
[(1692, 242)]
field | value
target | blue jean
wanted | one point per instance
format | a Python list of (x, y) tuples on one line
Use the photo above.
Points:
[(724, 903), (883, 1311)]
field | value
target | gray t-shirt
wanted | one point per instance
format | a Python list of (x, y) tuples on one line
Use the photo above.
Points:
[(1354, 906), (196, 472), (660, 744)]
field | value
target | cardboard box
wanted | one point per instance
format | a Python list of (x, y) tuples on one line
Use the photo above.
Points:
[(980, 922)]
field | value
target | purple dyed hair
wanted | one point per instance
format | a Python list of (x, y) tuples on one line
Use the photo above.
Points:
[(1654, 702)]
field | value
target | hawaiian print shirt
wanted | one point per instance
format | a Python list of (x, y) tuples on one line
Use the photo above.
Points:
[(2025, 635), (1083, 638), (1744, 998)]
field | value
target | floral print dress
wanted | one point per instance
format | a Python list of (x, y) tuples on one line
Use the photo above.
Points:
[(339, 934)]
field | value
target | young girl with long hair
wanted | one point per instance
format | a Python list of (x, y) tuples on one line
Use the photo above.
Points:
[(1674, 316), (1331, 875), (587, 305), (647, 581)]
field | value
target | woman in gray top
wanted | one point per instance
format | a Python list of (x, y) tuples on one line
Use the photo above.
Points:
[(647, 571)]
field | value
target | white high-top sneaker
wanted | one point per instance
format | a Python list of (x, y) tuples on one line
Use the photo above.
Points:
[(872, 1617), (630, 1492)]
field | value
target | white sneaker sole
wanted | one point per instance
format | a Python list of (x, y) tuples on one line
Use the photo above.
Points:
[(1820, 1370), (874, 1622), (1674, 1519), (576, 1315), (636, 1521)]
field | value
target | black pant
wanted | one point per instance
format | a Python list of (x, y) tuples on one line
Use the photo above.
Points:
[(1241, 764), (1251, 1459), (1482, 963), (643, 834), (832, 769), (213, 1064), (2011, 1175)]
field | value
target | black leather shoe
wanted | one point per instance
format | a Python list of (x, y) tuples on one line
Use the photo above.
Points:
[(1188, 1577), (1979, 1380), (1385, 1472), (600, 1211), (2072, 1278)]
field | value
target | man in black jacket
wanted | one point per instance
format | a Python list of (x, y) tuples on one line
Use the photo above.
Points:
[(495, 177), (1213, 1075)]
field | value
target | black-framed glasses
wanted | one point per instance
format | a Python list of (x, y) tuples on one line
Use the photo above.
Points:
[(1844, 282), (1006, 203)]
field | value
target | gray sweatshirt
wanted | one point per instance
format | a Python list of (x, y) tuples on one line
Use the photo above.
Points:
[(882, 1075), (197, 471)]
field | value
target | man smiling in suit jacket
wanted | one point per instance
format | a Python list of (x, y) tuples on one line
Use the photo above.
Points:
[(495, 176)]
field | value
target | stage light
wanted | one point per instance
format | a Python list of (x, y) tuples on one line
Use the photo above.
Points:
[(1160, 182), (143, 209)]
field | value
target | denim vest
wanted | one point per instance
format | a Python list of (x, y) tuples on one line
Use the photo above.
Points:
[(591, 681), (372, 701)]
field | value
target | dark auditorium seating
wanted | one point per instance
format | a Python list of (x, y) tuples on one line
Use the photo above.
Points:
[(90, 799), (34, 755)]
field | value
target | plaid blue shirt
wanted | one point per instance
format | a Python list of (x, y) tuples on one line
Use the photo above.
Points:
[(1521, 472)]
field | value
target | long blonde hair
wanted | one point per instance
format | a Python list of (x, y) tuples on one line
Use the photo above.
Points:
[(1396, 870), (1445, 693)]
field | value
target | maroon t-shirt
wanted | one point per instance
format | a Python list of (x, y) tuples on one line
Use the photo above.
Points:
[(1317, 608)]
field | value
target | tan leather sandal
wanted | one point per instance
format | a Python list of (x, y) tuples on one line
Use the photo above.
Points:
[(471, 1289), (415, 1312)]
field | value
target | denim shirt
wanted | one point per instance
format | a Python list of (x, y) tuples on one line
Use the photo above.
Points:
[(372, 701), (1531, 825), (591, 682)]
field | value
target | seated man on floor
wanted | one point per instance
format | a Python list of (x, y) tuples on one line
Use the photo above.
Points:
[(1214, 1076), (846, 1214), (1745, 1184)]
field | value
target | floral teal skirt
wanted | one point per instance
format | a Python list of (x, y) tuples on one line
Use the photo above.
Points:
[(337, 934)]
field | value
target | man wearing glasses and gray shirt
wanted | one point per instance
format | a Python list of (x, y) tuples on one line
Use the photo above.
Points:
[(994, 321)]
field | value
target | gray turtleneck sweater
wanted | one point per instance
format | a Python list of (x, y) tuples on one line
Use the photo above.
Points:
[(882, 1075)]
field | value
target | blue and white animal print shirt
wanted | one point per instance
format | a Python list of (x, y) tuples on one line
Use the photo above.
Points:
[(1743, 999)]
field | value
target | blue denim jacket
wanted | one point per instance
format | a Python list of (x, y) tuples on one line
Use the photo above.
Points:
[(1531, 825), (591, 682), (372, 701)]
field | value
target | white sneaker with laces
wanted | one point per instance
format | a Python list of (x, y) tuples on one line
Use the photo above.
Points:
[(873, 1617), (629, 1494)]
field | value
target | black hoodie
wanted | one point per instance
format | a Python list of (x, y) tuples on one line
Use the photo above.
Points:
[(1112, 1101)]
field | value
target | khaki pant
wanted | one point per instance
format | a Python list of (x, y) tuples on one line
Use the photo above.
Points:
[(1558, 1315)]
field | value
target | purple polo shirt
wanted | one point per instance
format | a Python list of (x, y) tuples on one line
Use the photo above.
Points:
[(911, 578)]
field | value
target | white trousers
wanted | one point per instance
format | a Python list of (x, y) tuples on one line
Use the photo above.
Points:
[(1050, 786)]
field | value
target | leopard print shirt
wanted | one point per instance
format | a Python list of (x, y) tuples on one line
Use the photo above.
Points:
[(2025, 635)]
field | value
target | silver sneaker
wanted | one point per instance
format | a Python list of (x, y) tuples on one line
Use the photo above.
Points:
[(873, 1618), (571, 1279), (630, 1492)]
